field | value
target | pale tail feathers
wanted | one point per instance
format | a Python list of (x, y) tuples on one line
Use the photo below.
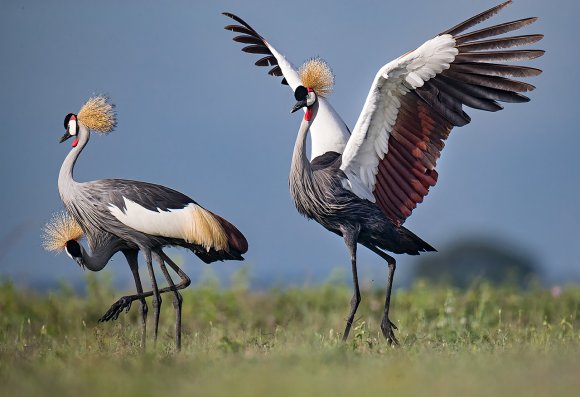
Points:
[(193, 224), (204, 229)]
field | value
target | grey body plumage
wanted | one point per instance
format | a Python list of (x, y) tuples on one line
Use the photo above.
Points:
[(318, 193), (89, 202), (160, 217), (317, 189)]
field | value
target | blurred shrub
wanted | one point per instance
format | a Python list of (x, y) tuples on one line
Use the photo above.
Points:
[(473, 260)]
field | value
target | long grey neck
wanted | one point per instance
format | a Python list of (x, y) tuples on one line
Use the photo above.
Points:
[(66, 183), (100, 255), (301, 167), (303, 189)]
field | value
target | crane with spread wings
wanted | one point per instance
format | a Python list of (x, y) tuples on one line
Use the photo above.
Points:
[(364, 185)]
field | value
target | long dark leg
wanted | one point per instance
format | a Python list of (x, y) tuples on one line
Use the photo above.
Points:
[(177, 300), (124, 303), (133, 264), (386, 325), (185, 281), (350, 238), (156, 294)]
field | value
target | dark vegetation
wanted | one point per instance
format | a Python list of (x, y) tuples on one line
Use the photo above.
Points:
[(472, 259)]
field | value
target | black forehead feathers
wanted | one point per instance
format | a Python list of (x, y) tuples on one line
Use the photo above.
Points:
[(67, 119), (301, 93)]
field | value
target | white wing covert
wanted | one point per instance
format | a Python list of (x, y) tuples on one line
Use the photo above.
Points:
[(417, 99), (369, 142)]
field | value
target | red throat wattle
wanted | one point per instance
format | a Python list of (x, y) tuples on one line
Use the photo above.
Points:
[(75, 142)]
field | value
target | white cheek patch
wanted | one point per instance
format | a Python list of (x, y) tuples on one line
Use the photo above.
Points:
[(72, 127), (191, 223), (310, 99)]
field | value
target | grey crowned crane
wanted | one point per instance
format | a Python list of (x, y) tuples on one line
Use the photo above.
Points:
[(131, 216), (363, 186)]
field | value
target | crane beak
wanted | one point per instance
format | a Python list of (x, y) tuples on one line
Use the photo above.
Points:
[(64, 137), (80, 262), (77, 259), (298, 105)]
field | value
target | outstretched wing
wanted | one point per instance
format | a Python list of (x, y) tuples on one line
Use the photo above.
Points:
[(328, 131), (258, 45), (417, 99)]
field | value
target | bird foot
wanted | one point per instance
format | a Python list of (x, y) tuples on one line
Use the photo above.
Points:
[(124, 303), (388, 327)]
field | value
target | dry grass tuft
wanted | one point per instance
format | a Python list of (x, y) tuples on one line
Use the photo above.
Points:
[(61, 228), (317, 75), (98, 114)]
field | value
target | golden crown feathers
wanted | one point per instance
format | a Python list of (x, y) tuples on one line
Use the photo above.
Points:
[(317, 75), (98, 114), (61, 228)]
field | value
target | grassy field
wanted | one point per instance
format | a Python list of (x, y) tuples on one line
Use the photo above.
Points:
[(483, 341)]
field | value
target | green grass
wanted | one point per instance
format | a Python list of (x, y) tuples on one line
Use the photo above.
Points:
[(483, 341)]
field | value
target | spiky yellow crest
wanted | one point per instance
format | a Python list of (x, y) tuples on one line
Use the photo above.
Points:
[(98, 114), (317, 75), (61, 228)]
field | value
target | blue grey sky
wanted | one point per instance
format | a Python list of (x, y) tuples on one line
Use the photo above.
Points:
[(196, 115)]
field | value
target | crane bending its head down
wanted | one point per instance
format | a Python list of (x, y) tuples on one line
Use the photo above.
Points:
[(61, 230), (130, 216)]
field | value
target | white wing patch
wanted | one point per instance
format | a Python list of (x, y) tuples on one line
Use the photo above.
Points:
[(368, 144), (288, 70), (192, 223)]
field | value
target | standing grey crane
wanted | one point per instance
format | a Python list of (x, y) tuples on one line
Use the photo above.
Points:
[(363, 186), (132, 216)]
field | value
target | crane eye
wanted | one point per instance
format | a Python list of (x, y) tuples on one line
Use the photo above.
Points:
[(301, 93)]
